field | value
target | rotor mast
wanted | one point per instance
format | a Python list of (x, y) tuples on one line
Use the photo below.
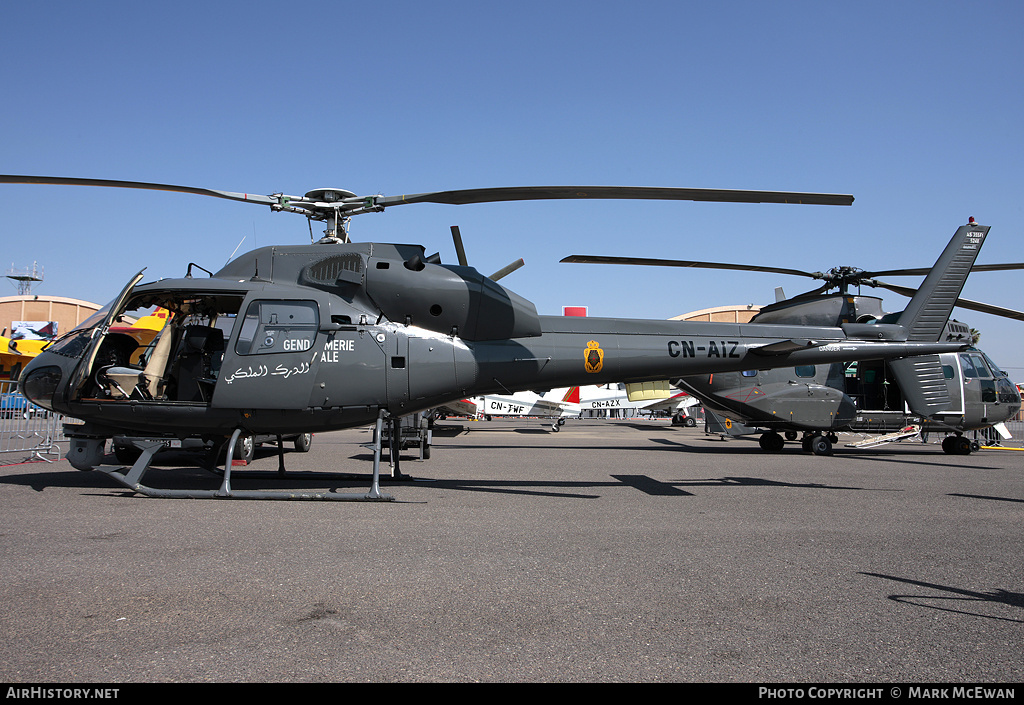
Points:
[(335, 207)]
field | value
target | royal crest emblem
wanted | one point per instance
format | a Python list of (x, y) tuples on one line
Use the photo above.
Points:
[(593, 357)]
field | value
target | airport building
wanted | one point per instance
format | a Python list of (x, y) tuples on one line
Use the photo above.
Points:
[(32, 317), (721, 314), (66, 313)]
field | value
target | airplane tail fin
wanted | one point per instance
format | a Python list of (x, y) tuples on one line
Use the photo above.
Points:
[(929, 309), (572, 396)]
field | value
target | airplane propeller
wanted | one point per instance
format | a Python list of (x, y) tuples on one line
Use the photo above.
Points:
[(841, 278)]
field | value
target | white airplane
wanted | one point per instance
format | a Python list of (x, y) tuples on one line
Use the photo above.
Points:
[(556, 403), (562, 403), (461, 407), (648, 397)]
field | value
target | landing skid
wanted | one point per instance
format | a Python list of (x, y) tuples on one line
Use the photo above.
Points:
[(149, 447)]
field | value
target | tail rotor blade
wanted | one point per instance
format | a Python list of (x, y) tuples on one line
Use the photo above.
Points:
[(459, 249), (507, 269)]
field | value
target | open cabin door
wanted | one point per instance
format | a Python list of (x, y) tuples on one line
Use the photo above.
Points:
[(84, 370)]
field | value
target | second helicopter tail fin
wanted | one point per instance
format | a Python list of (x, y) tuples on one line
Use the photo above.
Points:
[(929, 309), (921, 378)]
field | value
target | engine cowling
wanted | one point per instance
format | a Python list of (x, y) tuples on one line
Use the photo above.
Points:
[(448, 299)]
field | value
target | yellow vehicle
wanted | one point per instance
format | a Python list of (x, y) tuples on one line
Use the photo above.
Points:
[(16, 353)]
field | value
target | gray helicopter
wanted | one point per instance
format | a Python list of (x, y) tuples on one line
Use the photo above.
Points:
[(336, 334), (873, 396), (949, 392)]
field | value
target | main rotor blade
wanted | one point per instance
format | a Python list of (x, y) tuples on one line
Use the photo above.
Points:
[(536, 193), (347, 203), (71, 181), (654, 262)]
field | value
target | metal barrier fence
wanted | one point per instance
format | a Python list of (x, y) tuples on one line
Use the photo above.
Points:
[(27, 429)]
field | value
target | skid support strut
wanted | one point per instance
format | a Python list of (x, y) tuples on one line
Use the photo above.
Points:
[(133, 478)]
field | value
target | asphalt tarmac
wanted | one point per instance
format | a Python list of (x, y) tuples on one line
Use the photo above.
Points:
[(612, 551)]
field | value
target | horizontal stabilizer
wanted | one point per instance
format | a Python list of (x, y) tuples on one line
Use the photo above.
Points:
[(725, 426), (784, 347)]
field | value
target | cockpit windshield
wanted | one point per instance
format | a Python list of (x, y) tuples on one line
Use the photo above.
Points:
[(996, 370), (974, 365), (73, 343)]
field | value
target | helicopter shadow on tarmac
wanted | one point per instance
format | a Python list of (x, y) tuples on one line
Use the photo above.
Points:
[(173, 475), (175, 469), (643, 483), (921, 454), (987, 497), (52, 477), (949, 595)]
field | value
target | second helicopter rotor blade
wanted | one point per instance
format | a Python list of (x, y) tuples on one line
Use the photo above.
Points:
[(655, 262), (923, 271), (962, 303)]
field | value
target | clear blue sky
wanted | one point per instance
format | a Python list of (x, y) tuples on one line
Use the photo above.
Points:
[(915, 108)]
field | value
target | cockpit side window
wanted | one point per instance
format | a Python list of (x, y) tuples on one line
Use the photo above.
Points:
[(804, 371), (277, 327), (968, 366), (974, 365)]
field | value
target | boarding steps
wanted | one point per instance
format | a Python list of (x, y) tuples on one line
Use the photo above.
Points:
[(902, 434)]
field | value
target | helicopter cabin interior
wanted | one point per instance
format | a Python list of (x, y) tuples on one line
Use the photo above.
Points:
[(873, 386), (179, 363)]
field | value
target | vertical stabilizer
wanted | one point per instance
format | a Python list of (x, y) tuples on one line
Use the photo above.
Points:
[(931, 306)]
